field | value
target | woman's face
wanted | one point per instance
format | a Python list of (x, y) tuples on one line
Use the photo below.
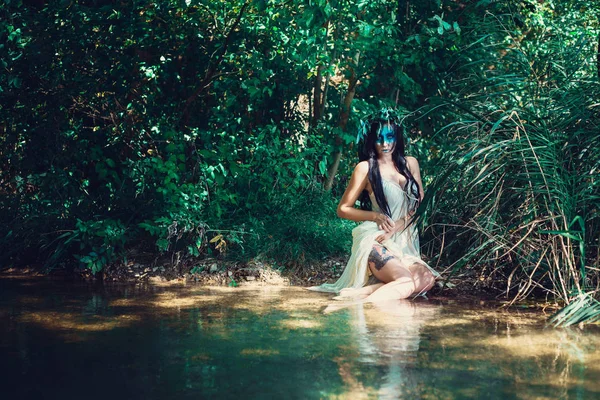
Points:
[(386, 141)]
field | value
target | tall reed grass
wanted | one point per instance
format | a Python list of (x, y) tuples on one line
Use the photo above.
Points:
[(518, 198)]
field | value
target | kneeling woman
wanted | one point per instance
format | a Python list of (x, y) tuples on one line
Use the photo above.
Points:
[(386, 246)]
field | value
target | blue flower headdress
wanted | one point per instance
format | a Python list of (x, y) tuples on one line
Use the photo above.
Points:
[(385, 115)]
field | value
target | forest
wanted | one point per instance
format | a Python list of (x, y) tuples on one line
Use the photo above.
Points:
[(227, 129)]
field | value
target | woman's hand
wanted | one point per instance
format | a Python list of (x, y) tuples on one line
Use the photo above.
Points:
[(384, 223), (383, 237), (397, 227)]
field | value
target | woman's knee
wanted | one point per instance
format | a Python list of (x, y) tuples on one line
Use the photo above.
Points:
[(429, 280), (423, 276), (426, 281)]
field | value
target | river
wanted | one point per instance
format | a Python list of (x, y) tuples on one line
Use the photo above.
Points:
[(68, 340)]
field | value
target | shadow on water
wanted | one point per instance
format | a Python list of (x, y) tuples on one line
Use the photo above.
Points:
[(70, 340)]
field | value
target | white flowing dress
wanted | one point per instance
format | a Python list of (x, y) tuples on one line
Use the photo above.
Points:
[(404, 245)]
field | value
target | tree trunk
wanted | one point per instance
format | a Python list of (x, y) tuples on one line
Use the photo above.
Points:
[(331, 61), (324, 97), (402, 16), (344, 116), (317, 96), (598, 57), (401, 12)]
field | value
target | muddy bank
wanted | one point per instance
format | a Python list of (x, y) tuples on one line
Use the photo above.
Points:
[(215, 272), (208, 272)]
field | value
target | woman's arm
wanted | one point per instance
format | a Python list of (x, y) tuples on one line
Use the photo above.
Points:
[(358, 183), (413, 167)]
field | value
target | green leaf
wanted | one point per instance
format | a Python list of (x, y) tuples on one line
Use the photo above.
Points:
[(162, 244), (323, 166), (582, 309), (456, 27), (566, 234)]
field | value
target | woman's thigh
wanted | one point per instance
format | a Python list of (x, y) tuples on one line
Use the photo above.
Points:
[(422, 276), (385, 267)]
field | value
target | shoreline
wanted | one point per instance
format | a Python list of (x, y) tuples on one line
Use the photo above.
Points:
[(220, 273)]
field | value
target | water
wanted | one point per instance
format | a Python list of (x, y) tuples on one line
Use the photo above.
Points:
[(72, 340)]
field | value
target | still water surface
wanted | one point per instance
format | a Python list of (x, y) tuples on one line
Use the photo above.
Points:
[(69, 340)]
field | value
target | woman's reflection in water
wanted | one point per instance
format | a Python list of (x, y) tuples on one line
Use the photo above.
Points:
[(388, 336)]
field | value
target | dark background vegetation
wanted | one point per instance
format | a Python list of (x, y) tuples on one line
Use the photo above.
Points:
[(227, 128)]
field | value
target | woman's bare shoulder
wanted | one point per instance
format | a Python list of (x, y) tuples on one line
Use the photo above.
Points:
[(412, 162), (362, 168)]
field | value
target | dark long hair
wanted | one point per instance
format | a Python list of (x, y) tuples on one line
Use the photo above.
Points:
[(368, 153)]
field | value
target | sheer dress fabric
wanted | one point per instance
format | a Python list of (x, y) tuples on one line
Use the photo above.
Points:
[(404, 245)]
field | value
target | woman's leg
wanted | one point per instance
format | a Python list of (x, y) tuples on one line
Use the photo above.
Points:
[(411, 281), (399, 283), (377, 258), (400, 288), (423, 278), (357, 294)]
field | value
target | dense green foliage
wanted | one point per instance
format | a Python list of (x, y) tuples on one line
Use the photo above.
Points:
[(194, 127), (526, 209)]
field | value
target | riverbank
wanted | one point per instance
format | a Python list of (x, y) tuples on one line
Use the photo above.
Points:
[(219, 273)]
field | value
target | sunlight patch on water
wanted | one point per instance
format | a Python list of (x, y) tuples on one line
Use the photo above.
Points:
[(301, 324), (167, 301), (61, 321), (353, 387), (260, 352), (175, 300), (302, 303)]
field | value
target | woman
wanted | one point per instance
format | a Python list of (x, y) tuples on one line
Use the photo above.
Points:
[(386, 246)]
